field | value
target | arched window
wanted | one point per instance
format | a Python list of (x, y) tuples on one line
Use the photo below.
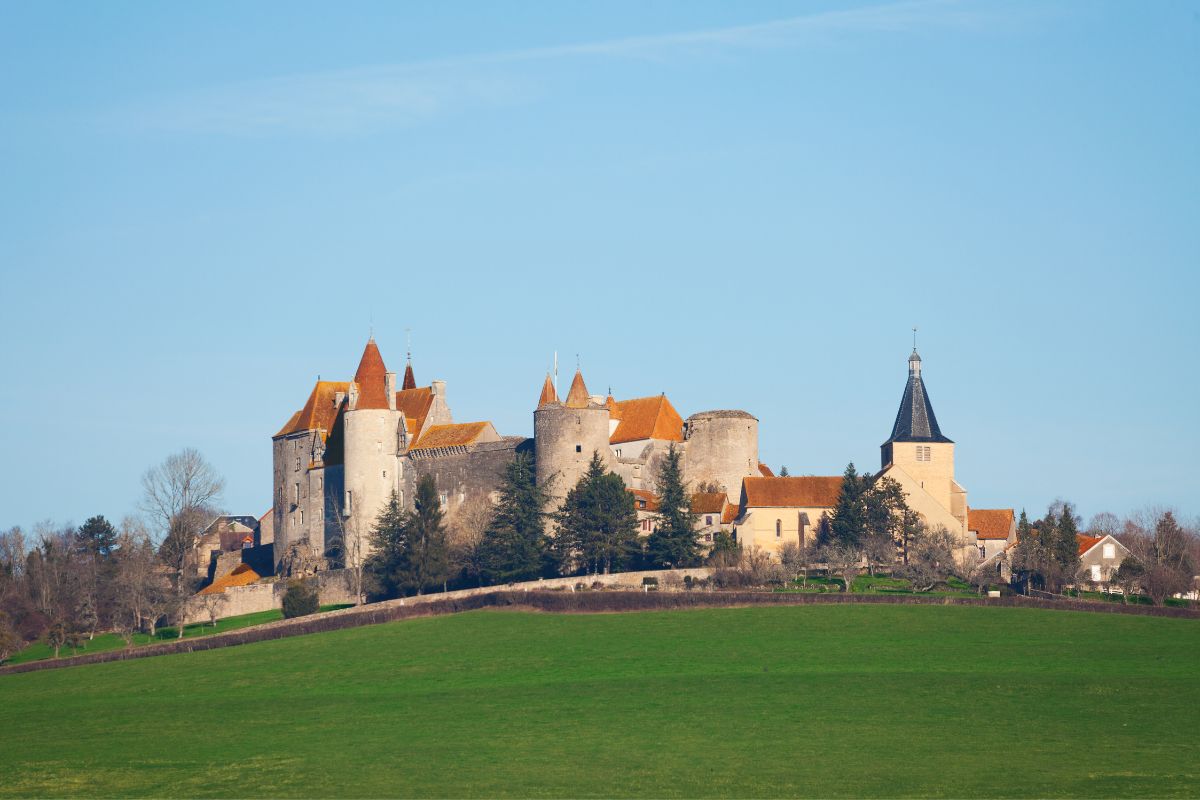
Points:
[(778, 529)]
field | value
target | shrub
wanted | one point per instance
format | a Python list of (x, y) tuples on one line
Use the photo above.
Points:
[(300, 599)]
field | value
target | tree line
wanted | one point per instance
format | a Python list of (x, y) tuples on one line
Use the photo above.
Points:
[(63, 583)]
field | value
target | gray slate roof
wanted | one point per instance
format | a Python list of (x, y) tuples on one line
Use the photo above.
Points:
[(915, 421)]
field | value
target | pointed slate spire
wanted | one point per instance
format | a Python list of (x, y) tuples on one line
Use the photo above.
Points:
[(548, 394), (915, 421), (371, 378), (409, 381), (578, 396)]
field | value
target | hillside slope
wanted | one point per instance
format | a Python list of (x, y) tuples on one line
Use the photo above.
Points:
[(820, 701)]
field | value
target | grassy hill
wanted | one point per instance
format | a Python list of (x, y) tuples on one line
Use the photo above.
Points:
[(821, 701)]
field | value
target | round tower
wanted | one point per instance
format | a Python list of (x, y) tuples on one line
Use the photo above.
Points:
[(371, 467), (565, 435), (722, 448)]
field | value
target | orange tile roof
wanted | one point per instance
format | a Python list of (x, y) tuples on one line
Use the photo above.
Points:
[(1086, 542), (802, 492), (415, 403), (990, 523), (614, 408), (708, 502), (319, 411), (462, 433), (370, 377), (409, 381), (650, 499), (548, 394), (578, 396), (765, 470), (241, 576), (647, 418), (730, 513)]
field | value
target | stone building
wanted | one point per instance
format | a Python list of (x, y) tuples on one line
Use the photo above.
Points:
[(338, 459)]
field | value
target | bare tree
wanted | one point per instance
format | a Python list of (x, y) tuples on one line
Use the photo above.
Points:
[(181, 495), (844, 561), (930, 559), (213, 604), (465, 528), (1163, 549)]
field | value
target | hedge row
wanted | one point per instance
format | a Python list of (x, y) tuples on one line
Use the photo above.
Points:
[(565, 602)]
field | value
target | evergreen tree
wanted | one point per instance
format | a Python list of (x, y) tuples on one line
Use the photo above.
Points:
[(515, 545), (675, 542), (849, 515), (96, 537), (597, 525), (425, 560), (1065, 545), (388, 543)]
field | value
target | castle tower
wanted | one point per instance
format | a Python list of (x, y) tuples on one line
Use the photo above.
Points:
[(722, 448), (372, 434), (565, 436), (918, 447)]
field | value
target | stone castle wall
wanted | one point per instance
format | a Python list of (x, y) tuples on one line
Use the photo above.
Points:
[(722, 446)]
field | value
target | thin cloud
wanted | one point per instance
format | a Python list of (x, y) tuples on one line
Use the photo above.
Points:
[(410, 93)]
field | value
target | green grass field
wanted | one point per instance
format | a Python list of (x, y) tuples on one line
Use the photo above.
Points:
[(801, 701), (111, 641)]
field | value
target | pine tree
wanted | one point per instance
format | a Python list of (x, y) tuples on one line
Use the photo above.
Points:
[(597, 525), (1065, 545), (388, 544), (515, 545), (425, 560), (849, 515), (675, 542), (97, 537)]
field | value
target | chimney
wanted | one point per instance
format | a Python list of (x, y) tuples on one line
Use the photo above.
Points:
[(338, 397), (353, 396), (439, 389), (389, 388)]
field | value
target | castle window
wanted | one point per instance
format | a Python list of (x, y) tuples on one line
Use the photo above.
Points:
[(301, 518), (385, 473), (708, 519), (708, 537), (296, 493), (578, 448), (924, 453), (349, 501), (1110, 550), (778, 528), (442, 499), (1096, 573)]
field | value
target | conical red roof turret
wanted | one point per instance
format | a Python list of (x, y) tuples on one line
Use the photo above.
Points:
[(409, 381), (371, 378), (548, 394), (578, 396)]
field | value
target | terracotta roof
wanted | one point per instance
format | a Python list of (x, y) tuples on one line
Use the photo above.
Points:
[(647, 418), (614, 408), (241, 576), (578, 396), (319, 411), (1086, 542), (765, 470), (415, 403), (409, 381), (462, 433), (708, 502), (642, 496), (803, 492), (370, 377), (990, 523), (730, 513), (548, 394)]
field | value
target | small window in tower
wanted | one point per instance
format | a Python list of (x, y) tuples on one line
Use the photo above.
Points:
[(708, 519), (301, 519), (578, 448), (295, 493), (778, 528), (349, 501)]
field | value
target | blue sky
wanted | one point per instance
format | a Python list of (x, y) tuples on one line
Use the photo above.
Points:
[(747, 205)]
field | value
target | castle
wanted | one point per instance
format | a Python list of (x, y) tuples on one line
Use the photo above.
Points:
[(340, 457)]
